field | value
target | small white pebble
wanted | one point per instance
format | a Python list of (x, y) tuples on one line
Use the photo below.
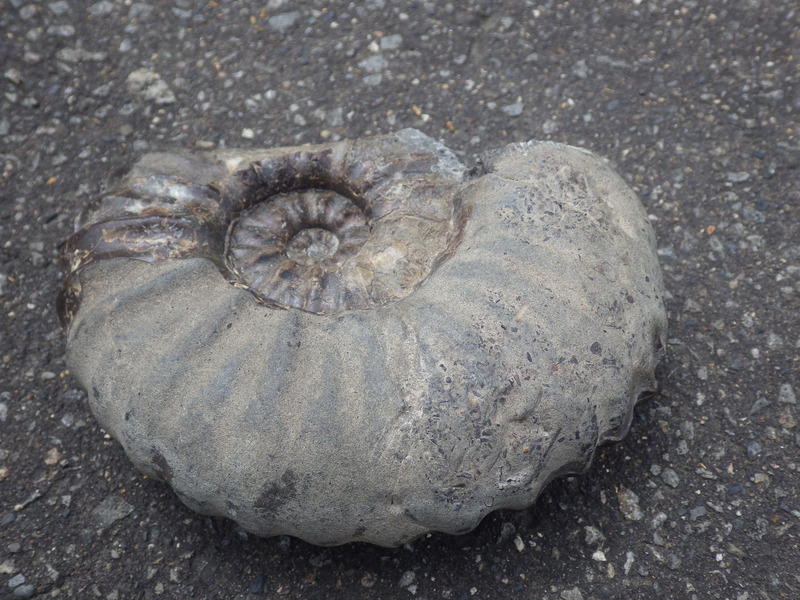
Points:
[(599, 556)]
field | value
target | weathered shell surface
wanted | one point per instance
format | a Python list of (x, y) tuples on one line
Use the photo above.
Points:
[(514, 321)]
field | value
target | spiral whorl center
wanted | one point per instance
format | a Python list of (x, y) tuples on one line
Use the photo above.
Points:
[(310, 246), (353, 225), (293, 249)]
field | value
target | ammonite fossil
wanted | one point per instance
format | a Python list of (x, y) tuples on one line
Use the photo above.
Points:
[(362, 340)]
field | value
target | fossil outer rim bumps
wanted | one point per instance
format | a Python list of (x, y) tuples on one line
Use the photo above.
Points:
[(481, 336)]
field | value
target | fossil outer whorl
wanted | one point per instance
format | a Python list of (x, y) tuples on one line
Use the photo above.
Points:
[(358, 341), (388, 206)]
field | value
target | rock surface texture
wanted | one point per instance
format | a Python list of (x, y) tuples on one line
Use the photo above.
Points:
[(363, 341)]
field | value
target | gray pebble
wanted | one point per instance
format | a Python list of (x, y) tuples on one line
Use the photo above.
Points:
[(753, 449), (506, 531), (374, 64), (786, 394), (61, 30), (150, 86), (670, 477), (16, 580), (630, 557), (14, 76), (74, 395), (110, 510), (284, 21), (139, 11), (705, 473), (102, 91), (35, 34), (697, 512), (506, 23), (513, 110), (75, 55), (658, 520), (658, 539), (667, 252), (549, 126), (593, 535), (3, 411), (629, 504), (759, 405), (611, 62), (101, 8), (776, 95), (407, 578), (571, 594), (58, 8), (580, 70), (738, 176), (692, 306), (391, 42), (774, 340), (24, 591)]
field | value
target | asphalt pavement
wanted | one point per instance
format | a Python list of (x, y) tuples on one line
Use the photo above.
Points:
[(696, 103)]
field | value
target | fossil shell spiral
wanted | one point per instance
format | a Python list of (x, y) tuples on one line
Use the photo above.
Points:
[(363, 340)]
